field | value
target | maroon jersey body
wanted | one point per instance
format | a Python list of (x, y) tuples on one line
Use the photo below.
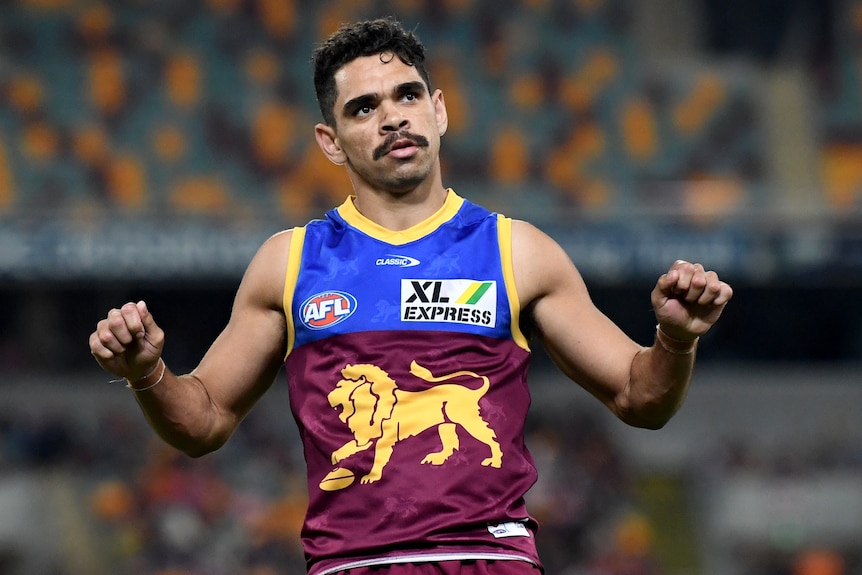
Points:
[(407, 377)]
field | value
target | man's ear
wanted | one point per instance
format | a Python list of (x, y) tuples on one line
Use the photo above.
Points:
[(440, 112), (328, 142)]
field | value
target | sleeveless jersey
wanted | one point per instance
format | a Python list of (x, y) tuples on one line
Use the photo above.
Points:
[(407, 378)]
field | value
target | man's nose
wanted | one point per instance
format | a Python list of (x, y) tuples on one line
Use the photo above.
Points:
[(393, 118)]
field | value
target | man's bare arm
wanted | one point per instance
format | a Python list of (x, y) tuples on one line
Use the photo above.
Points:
[(643, 386), (198, 412)]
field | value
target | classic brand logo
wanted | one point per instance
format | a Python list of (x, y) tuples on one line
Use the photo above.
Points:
[(398, 261), (327, 309), (451, 301)]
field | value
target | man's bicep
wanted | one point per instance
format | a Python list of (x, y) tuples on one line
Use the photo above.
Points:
[(589, 348), (244, 359)]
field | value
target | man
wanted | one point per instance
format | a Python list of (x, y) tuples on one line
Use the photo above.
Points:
[(404, 321)]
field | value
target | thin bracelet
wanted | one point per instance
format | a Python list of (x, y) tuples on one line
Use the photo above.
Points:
[(126, 379), (158, 381), (661, 336)]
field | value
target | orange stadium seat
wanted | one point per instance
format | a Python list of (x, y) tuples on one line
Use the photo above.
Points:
[(510, 158), (7, 182), (842, 174)]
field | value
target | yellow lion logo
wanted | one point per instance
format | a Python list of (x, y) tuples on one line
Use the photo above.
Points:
[(379, 413)]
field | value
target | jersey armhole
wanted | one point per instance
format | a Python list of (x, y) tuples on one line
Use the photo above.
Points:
[(504, 236), (294, 258)]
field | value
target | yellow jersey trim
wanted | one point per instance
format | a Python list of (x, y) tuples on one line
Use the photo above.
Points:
[(294, 258), (447, 211), (504, 235)]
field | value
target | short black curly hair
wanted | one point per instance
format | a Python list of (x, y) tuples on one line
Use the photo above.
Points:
[(366, 38)]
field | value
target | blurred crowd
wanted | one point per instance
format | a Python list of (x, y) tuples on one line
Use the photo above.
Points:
[(206, 106)]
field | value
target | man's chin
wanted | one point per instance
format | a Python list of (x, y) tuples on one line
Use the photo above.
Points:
[(403, 182)]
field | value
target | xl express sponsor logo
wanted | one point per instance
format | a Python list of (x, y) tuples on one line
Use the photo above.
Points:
[(327, 309), (451, 301)]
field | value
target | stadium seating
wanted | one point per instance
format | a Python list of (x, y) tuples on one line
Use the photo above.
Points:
[(208, 107)]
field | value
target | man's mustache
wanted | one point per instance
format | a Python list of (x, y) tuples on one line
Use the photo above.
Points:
[(386, 146)]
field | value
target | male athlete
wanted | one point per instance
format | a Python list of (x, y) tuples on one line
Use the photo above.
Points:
[(404, 321)]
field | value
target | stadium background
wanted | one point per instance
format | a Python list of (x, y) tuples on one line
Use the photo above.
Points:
[(148, 147)]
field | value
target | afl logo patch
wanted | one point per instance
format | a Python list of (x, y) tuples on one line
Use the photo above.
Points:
[(327, 309)]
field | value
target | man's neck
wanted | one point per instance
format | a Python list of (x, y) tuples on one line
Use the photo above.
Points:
[(400, 211)]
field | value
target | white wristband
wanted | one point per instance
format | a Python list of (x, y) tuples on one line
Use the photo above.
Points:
[(675, 346), (152, 385)]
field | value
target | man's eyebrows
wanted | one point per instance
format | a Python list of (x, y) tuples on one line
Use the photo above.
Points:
[(360, 101), (414, 86), (369, 99)]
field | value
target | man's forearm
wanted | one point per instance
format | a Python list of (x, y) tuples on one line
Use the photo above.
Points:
[(181, 412), (659, 381)]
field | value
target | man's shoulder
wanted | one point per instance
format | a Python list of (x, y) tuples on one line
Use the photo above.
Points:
[(282, 239)]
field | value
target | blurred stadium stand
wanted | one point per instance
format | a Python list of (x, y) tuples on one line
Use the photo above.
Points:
[(148, 148), (117, 117)]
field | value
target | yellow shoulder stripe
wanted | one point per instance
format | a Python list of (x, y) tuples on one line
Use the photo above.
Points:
[(504, 235), (294, 258)]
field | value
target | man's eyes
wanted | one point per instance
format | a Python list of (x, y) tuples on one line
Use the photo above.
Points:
[(366, 109)]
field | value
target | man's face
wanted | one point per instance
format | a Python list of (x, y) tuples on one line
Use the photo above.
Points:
[(388, 126)]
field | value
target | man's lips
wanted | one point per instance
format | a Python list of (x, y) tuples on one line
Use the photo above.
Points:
[(400, 145), (403, 149)]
